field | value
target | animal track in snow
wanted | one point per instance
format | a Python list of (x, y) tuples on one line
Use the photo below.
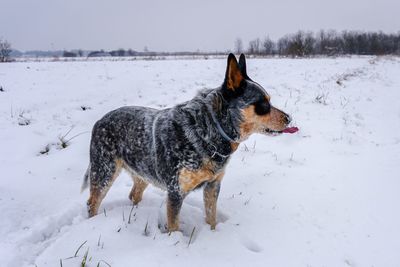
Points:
[(250, 244)]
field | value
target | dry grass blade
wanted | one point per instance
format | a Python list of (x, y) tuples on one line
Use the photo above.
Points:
[(103, 261), (191, 236), (146, 231), (130, 215), (76, 252)]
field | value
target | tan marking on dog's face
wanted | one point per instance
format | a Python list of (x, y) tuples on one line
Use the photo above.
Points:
[(190, 179), (254, 123), (235, 76)]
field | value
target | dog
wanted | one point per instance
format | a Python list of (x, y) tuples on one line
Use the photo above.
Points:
[(182, 148)]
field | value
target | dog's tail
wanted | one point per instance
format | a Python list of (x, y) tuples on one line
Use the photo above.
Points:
[(85, 179)]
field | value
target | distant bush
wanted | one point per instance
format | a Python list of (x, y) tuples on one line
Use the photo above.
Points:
[(100, 53), (69, 54), (5, 50)]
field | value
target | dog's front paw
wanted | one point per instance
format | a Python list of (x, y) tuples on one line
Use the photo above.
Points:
[(173, 228), (212, 224)]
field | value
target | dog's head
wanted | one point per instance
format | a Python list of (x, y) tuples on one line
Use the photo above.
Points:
[(253, 103)]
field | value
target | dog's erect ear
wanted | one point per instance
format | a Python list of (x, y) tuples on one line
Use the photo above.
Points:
[(233, 76), (242, 65)]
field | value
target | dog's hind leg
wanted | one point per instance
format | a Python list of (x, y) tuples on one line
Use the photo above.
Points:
[(137, 190), (210, 196), (102, 177)]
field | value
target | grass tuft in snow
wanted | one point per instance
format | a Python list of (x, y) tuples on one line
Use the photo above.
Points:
[(348, 75), (64, 142), (85, 259), (45, 150), (22, 120), (84, 108), (321, 98)]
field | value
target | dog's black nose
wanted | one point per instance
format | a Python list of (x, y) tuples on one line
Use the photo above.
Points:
[(287, 119)]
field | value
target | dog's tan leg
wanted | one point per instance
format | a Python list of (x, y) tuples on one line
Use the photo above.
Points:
[(174, 204), (210, 196), (95, 198), (137, 190), (99, 190)]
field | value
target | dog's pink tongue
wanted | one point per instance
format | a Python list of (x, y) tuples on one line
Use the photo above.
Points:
[(290, 130)]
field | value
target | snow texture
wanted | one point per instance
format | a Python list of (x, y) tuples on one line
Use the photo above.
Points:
[(327, 195)]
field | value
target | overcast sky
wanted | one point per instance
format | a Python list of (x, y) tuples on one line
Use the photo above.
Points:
[(177, 25)]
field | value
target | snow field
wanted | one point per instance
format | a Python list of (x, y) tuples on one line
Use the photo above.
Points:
[(326, 196)]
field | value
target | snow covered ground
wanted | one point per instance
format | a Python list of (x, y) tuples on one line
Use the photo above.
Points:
[(328, 195)]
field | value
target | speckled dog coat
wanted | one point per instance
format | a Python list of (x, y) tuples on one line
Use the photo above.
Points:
[(181, 148)]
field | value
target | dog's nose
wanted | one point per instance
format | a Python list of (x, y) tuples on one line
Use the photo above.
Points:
[(287, 119)]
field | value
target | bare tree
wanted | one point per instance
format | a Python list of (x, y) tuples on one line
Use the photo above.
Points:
[(5, 50), (283, 45), (131, 52), (309, 44), (300, 44), (296, 44), (121, 52), (238, 45), (268, 46), (254, 46)]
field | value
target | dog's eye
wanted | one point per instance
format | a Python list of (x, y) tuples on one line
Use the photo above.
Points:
[(262, 107)]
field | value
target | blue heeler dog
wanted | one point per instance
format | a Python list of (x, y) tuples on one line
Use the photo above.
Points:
[(184, 147)]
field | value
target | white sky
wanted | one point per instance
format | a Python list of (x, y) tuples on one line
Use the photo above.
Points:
[(176, 25)]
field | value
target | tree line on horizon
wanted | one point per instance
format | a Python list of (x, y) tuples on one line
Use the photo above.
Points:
[(329, 43), (299, 44)]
